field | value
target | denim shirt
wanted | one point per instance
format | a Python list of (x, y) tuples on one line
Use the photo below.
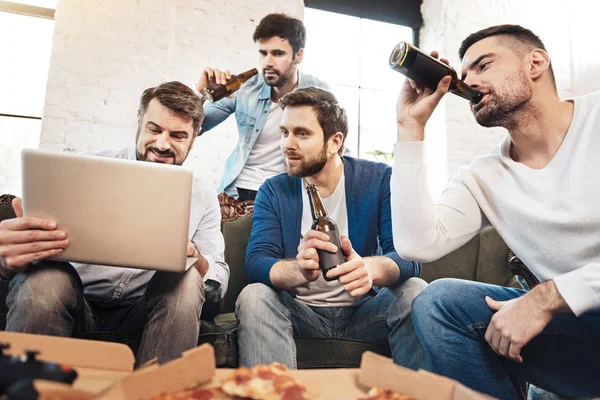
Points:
[(251, 106)]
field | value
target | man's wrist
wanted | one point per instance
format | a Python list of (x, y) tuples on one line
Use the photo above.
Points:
[(410, 132), (549, 299), (201, 264), (199, 93), (384, 270)]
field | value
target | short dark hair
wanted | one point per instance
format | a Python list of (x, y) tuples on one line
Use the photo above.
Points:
[(284, 27), (522, 40), (178, 98), (331, 117)]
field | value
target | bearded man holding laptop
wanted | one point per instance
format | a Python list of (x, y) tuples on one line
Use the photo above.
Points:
[(163, 303)]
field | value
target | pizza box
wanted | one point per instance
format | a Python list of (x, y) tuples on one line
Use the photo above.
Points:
[(105, 371)]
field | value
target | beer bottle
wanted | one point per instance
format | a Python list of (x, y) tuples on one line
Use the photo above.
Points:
[(215, 91), (322, 223), (428, 71), (522, 273)]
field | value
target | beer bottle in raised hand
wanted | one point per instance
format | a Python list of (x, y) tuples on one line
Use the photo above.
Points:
[(428, 71), (215, 91), (322, 223)]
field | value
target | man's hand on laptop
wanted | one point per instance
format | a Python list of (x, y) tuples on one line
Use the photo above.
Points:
[(201, 265), (27, 239)]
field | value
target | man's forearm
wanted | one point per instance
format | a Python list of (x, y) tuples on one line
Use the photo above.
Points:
[(410, 132), (201, 265), (285, 274), (547, 296), (385, 270)]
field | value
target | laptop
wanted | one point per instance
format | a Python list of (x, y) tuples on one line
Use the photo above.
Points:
[(117, 212)]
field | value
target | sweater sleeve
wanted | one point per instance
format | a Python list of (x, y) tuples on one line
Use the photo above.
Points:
[(215, 113), (265, 246), (581, 288), (424, 231), (408, 269)]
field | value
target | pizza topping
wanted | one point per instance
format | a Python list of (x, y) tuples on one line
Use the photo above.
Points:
[(265, 382)]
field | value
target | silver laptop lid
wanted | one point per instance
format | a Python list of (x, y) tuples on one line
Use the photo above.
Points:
[(116, 212)]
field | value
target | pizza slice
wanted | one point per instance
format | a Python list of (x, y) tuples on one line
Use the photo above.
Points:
[(265, 382)]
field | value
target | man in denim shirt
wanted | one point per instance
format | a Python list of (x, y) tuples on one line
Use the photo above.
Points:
[(163, 308), (257, 156)]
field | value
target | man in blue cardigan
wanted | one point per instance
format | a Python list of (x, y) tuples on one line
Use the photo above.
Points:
[(287, 296)]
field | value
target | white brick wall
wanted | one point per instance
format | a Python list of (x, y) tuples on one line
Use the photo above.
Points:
[(106, 52), (448, 22)]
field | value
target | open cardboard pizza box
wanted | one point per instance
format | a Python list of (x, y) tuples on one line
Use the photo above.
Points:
[(105, 371)]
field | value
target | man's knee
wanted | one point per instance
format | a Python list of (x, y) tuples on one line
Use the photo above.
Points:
[(447, 298), (182, 291), (255, 300), (409, 290), (44, 287), (401, 297)]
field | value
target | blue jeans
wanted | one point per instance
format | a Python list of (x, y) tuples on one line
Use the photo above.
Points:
[(48, 299), (269, 320), (451, 317)]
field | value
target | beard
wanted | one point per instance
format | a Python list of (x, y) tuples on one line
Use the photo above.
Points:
[(508, 106), (306, 168), (278, 80), (163, 153)]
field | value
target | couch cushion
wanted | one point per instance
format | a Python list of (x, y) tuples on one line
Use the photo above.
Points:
[(492, 260), (461, 263), (311, 353), (236, 234), (335, 352), (484, 258), (222, 335)]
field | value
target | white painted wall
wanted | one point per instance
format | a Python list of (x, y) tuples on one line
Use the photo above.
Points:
[(106, 52), (565, 27)]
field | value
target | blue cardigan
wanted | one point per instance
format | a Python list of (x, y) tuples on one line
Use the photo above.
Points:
[(277, 219)]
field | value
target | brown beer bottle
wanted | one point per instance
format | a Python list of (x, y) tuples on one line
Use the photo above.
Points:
[(428, 71), (322, 223), (215, 92)]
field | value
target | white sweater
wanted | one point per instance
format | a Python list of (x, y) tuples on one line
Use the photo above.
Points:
[(549, 217)]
